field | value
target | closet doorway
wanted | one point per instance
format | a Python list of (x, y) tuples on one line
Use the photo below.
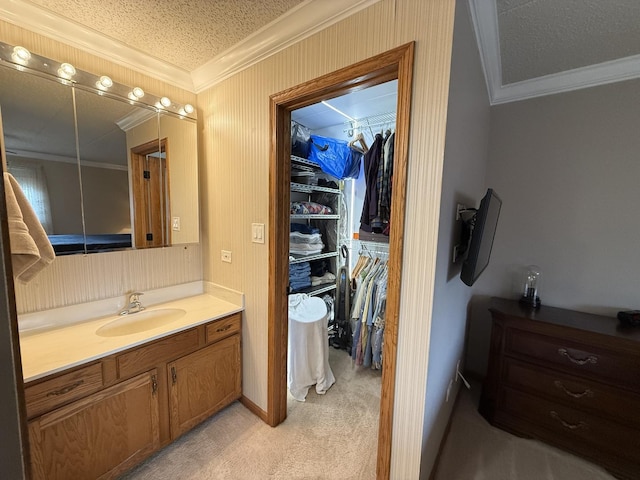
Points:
[(396, 64)]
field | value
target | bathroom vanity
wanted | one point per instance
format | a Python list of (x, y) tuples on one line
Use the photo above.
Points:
[(100, 417)]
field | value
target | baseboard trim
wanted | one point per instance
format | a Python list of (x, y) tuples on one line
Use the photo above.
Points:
[(253, 408), (436, 464)]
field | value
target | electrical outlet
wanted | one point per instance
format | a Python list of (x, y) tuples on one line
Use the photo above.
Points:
[(175, 224), (226, 256), (446, 398)]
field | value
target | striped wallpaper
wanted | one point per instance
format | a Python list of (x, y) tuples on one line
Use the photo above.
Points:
[(234, 168)]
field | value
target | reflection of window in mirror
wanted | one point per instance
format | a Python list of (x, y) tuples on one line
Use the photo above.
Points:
[(34, 185), (149, 178)]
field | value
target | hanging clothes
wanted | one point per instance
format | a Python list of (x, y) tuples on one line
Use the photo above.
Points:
[(371, 164), (378, 171), (368, 315)]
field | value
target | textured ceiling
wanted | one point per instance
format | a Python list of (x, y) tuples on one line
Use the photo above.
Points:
[(541, 37), (184, 33)]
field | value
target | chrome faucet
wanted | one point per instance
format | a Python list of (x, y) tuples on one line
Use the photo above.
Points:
[(135, 305)]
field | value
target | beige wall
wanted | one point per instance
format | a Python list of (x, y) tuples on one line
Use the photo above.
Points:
[(234, 167), (79, 278)]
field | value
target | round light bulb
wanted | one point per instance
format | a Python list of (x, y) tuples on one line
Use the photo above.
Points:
[(188, 108), (182, 112), (138, 92), (67, 70), (105, 82), (20, 54), (165, 102)]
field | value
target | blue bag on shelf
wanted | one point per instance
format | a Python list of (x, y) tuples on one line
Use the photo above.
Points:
[(335, 157)]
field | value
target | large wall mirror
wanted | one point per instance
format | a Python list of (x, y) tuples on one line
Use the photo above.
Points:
[(103, 172)]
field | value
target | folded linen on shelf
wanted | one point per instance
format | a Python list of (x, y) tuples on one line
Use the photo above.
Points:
[(297, 237), (299, 276), (310, 208), (305, 249), (328, 277), (303, 228)]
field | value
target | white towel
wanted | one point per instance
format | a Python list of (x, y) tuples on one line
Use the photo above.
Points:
[(31, 249)]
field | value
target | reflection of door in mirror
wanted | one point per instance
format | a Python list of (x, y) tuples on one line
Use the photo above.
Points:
[(150, 178)]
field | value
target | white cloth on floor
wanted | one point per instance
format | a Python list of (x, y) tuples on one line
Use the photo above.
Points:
[(308, 348), (31, 250)]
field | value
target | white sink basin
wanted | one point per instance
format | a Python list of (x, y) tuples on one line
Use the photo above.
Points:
[(140, 322)]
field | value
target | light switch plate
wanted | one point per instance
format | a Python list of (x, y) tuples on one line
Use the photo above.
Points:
[(257, 232)]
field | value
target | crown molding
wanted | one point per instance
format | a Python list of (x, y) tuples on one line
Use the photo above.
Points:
[(485, 22), (56, 27), (484, 17), (306, 19), (604, 73)]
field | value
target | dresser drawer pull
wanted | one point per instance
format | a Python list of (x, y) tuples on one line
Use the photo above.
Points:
[(578, 361), (223, 329), (570, 426), (586, 393), (65, 390)]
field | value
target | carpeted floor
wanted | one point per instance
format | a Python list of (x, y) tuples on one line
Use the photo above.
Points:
[(474, 450), (331, 436)]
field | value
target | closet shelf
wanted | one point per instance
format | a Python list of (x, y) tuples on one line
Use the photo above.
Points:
[(311, 258), (317, 216), (303, 188), (320, 289), (380, 120), (304, 164)]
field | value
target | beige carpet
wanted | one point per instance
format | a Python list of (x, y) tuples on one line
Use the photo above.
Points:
[(331, 436), (474, 450)]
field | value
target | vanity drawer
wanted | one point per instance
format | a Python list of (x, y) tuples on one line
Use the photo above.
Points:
[(223, 328), (575, 392), (144, 358), (575, 358), (45, 396)]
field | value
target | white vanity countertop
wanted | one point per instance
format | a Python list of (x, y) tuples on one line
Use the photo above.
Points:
[(55, 350)]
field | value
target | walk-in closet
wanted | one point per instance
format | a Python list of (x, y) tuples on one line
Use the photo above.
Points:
[(338, 252)]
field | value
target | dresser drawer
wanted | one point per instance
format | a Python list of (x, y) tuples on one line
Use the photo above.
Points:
[(575, 392), (45, 396), (563, 423), (575, 358), (223, 328)]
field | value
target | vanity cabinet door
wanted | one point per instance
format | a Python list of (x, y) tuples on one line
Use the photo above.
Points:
[(203, 383), (101, 435)]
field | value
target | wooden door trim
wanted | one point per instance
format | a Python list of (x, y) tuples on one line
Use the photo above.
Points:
[(393, 64)]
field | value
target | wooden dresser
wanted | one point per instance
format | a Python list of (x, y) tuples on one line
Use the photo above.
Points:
[(566, 378)]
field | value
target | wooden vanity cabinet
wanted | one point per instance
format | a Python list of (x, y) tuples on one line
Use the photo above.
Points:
[(566, 378), (99, 436), (101, 419), (203, 383)]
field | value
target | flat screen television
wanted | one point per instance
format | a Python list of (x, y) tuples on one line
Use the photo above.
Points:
[(483, 229)]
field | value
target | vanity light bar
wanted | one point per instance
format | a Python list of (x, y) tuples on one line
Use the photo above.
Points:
[(21, 59)]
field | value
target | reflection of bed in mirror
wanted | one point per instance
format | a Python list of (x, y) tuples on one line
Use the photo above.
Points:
[(68, 244)]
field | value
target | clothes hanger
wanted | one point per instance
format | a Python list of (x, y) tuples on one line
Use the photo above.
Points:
[(364, 148)]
